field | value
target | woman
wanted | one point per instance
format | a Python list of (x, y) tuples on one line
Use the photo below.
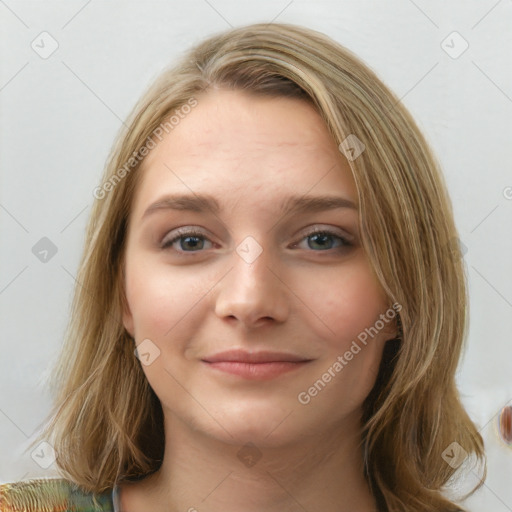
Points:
[(274, 237)]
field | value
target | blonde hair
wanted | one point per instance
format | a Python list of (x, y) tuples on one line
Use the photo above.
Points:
[(107, 423)]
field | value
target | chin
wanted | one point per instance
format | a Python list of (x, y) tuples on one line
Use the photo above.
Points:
[(262, 423)]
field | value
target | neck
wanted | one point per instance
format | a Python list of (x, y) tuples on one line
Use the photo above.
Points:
[(201, 473)]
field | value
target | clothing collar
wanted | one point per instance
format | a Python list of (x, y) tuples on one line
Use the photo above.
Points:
[(115, 498)]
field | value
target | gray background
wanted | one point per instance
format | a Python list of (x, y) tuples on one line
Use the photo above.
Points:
[(61, 111)]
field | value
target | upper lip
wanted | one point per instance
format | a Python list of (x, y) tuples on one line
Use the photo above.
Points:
[(243, 356)]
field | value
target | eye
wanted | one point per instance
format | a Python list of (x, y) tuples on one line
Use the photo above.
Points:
[(325, 239), (191, 240), (186, 239)]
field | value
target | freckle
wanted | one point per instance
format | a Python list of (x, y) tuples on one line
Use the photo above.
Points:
[(505, 424)]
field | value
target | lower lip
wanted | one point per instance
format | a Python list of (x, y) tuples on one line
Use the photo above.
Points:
[(257, 371)]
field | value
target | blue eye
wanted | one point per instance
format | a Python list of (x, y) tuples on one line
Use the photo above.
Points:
[(321, 239), (188, 239)]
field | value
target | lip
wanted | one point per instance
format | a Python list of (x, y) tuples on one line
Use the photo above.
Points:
[(262, 365)]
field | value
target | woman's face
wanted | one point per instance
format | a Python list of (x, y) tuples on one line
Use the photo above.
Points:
[(250, 326)]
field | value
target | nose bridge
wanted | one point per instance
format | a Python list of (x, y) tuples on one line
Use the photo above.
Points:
[(251, 291)]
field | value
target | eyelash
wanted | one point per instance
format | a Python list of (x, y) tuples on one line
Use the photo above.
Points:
[(183, 233)]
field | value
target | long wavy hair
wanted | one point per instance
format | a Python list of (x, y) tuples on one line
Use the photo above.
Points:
[(107, 423)]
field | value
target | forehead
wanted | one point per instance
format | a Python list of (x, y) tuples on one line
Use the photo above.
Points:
[(243, 146)]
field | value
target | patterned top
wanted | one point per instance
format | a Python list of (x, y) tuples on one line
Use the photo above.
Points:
[(58, 495), (55, 495)]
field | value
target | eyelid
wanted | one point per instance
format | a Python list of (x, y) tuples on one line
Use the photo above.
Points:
[(331, 230), (182, 232)]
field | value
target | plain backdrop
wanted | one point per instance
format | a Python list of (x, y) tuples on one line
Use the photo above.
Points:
[(70, 72)]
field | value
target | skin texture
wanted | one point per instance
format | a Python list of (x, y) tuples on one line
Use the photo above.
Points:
[(303, 295)]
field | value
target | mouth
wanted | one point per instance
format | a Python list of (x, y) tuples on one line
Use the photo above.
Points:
[(255, 365)]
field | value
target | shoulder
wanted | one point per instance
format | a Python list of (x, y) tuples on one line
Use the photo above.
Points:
[(51, 495)]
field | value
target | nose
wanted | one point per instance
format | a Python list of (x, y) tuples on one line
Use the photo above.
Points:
[(252, 294)]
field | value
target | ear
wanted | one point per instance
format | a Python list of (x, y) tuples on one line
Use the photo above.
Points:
[(126, 311), (393, 328), (127, 316), (128, 320)]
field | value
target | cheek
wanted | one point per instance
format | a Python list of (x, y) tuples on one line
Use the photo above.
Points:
[(158, 298), (347, 302), (351, 304)]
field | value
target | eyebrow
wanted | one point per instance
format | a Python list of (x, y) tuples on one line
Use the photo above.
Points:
[(293, 204)]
